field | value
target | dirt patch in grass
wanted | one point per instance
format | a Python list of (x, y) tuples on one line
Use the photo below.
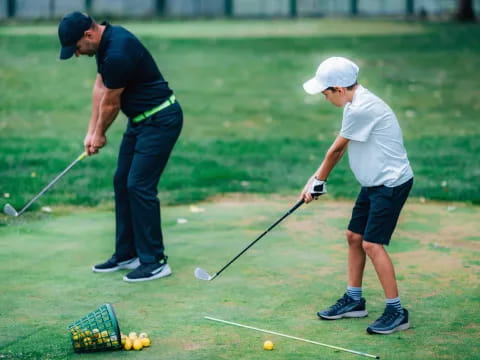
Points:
[(191, 346), (441, 253), (453, 236)]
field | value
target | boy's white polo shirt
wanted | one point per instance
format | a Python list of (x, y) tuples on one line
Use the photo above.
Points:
[(375, 151)]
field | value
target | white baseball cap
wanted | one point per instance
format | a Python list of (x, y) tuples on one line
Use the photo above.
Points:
[(334, 71)]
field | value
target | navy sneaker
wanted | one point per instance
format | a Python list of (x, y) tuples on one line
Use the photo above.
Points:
[(147, 272), (391, 320), (345, 307), (113, 265)]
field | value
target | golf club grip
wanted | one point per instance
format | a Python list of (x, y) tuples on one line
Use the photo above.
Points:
[(82, 156), (295, 207)]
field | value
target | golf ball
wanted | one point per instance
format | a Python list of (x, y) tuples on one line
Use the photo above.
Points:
[(268, 345)]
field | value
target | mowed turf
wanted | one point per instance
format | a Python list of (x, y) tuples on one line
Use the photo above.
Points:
[(249, 126), (279, 284)]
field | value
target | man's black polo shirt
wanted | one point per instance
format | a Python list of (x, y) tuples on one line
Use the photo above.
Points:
[(123, 62)]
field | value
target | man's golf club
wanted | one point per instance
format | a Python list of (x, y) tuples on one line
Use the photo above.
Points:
[(10, 210), (203, 275)]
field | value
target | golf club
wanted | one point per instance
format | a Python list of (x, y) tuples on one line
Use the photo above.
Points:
[(203, 275), (293, 337), (10, 210)]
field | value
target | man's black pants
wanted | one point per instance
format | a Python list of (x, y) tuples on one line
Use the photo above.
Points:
[(143, 155)]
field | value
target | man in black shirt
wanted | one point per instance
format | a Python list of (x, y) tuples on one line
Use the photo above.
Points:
[(128, 79)]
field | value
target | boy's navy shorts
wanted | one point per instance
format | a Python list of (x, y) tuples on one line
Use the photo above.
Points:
[(376, 211)]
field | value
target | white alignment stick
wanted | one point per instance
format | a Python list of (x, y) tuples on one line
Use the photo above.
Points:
[(293, 337)]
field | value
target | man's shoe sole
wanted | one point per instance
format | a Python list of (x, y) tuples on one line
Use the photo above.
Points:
[(350, 314), (166, 271), (386, 332), (129, 264)]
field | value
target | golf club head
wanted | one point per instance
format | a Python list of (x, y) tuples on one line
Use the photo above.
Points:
[(9, 210), (202, 274)]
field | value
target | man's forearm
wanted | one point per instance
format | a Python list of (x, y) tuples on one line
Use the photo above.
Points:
[(107, 112), (98, 92)]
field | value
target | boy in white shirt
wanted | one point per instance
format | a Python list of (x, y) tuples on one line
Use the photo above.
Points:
[(378, 159)]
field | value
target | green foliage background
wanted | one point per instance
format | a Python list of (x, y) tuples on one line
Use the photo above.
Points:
[(249, 127)]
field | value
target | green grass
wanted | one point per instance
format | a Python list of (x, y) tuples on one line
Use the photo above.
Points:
[(278, 285), (249, 127)]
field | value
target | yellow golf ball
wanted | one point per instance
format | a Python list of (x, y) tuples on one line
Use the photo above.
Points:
[(145, 342), (137, 344), (128, 344), (268, 345)]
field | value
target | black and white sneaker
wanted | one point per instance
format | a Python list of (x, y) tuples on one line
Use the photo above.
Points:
[(147, 272), (345, 307), (113, 265), (391, 320)]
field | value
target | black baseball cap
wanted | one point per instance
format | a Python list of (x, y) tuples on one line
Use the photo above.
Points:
[(70, 30)]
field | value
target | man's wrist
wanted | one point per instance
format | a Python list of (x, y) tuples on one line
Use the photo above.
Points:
[(317, 178)]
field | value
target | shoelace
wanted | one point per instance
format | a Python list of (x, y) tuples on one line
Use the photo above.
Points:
[(387, 316), (340, 303)]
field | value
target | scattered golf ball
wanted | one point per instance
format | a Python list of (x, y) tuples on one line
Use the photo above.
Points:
[(196, 209), (135, 341), (268, 345), (6, 195)]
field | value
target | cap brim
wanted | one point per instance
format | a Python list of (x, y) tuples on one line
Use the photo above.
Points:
[(313, 87), (67, 52)]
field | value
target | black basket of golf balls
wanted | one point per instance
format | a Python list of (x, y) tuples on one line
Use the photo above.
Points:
[(97, 331)]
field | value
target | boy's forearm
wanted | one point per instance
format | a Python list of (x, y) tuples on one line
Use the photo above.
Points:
[(331, 159)]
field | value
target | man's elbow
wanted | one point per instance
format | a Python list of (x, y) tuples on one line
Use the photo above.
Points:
[(112, 107)]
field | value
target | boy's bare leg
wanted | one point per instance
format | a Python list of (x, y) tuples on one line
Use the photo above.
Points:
[(384, 268), (356, 259)]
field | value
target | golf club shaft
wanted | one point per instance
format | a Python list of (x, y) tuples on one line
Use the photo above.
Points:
[(294, 337), (82, 156), (296, 206)]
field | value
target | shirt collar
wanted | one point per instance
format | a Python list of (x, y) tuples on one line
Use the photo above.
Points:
[(105, 37), (358, 90)]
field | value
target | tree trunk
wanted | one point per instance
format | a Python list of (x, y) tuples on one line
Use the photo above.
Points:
[(293, 8), (228, 8), (465, 11), (88, 6), (410, 7), (354, 7), (51, 9), (160, 7), (11, 8)]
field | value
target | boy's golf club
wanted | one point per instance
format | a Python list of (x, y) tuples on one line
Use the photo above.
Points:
[(10, 210), (203, 275)]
